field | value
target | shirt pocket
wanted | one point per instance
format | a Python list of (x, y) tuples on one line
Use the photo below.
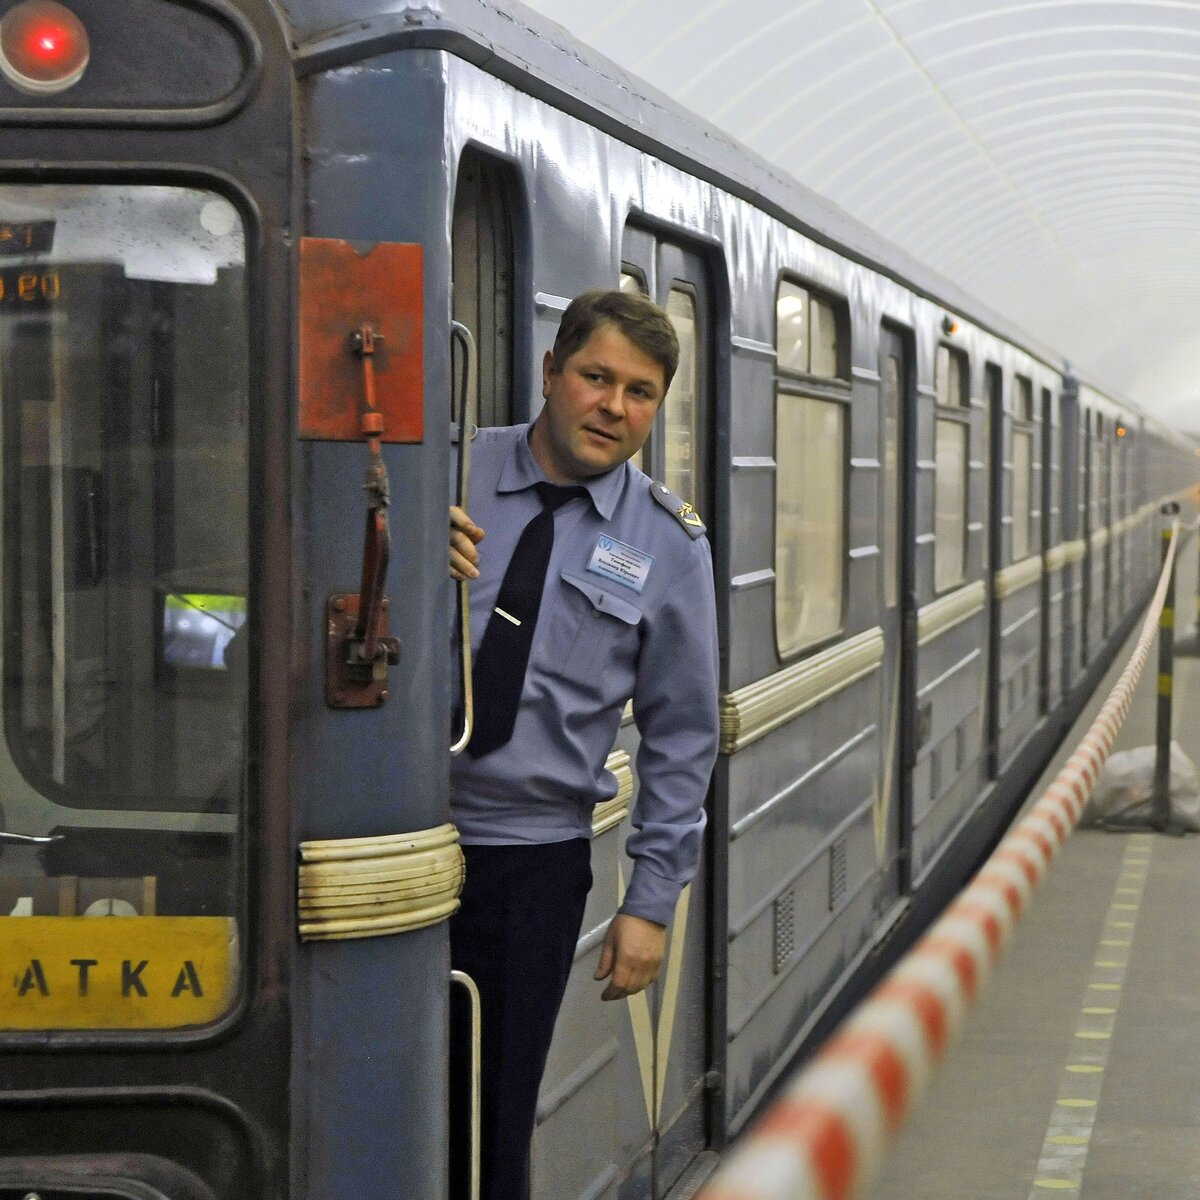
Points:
[(607, 631)]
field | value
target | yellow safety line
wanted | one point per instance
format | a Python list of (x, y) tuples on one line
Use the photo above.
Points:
[(1065, 1148)]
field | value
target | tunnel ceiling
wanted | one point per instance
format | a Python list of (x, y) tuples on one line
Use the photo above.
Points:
[(1043, 155)]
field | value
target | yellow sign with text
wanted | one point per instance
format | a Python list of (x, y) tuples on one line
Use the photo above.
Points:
[(116, 972)]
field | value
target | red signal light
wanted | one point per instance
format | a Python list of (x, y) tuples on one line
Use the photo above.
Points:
[(44, 47)]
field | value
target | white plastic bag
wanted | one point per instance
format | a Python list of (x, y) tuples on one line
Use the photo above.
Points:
[(1126, 785)]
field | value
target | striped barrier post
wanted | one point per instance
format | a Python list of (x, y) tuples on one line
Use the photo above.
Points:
[(824, 1137), (1160, 797), (1189, 647)]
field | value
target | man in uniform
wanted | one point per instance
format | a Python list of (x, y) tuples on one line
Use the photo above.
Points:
[(615, 574)]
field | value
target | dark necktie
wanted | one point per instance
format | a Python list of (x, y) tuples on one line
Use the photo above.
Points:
[(499, 673)]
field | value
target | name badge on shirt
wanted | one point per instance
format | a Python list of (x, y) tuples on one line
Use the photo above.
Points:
[(623, 564)]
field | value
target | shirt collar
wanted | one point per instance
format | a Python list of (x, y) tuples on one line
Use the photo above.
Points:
[(521, 471)]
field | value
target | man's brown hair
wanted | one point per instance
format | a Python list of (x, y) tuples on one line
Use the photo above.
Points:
[(636, 316)]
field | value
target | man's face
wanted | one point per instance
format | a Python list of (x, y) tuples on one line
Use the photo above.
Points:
[(599, 407)]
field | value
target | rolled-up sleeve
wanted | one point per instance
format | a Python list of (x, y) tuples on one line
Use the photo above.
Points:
[(675, 708)]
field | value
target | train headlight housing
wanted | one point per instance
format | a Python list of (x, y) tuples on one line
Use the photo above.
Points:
[(44, 47)]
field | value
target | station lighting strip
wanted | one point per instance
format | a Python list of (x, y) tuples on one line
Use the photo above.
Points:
[(825, 1136)]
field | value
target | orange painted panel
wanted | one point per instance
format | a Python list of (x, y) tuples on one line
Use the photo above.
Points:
[(342, 289)]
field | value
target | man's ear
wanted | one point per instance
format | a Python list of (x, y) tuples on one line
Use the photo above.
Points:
[(547, 371)]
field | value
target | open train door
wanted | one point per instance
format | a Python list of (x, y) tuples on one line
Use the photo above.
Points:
[(666, 1043), (898, 619)]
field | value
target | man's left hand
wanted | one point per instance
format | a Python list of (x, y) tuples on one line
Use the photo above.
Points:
[(632, 954)]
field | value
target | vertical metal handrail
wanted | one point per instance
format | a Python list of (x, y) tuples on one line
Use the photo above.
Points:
[(467, 418), (464, 980)]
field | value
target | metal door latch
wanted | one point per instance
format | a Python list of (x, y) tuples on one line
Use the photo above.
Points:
[(358, 651)]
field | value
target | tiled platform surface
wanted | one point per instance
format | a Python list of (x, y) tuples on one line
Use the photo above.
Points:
[(1078, 1072)]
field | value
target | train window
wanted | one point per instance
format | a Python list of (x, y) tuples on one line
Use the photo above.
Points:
[(124, 427), (1100, 480), (950, 503), (807, 340), (951, 377), (483, 275), (822, 338), (951, 442), (810, 470), (791, 328), (680, 407), (810, 439), (632, 280), (1022, 494), (1022, 398)]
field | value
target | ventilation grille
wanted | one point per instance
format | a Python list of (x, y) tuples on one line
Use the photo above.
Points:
[(785, 929), (837, 873)]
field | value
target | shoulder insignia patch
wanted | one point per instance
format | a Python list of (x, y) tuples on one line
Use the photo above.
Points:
[(681, 510)]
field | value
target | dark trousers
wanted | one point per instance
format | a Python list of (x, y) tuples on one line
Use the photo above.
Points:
[(515, 935)]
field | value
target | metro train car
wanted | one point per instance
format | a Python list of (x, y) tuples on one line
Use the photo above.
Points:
[(242, 246)]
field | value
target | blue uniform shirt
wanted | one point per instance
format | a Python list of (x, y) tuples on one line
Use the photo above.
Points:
[(628, 612)]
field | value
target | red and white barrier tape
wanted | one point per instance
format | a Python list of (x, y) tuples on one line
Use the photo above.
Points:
[(825, 1135)]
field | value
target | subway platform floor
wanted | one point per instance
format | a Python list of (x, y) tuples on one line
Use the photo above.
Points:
[(1078, 1071)]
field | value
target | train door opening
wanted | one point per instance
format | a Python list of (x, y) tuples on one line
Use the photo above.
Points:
[(1047, 538), (1070, 528), (1087, 524), (994, 400), (893, 820), (1104, 500), (483, 277), (669, 1023)]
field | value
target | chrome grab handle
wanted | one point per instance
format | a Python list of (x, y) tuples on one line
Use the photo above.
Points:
[(467, 417), (464, 980)]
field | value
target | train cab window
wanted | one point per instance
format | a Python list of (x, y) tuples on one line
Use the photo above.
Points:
[(124, 429), (951, 444), (810, 456), (482, 252), (1022, 468)]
